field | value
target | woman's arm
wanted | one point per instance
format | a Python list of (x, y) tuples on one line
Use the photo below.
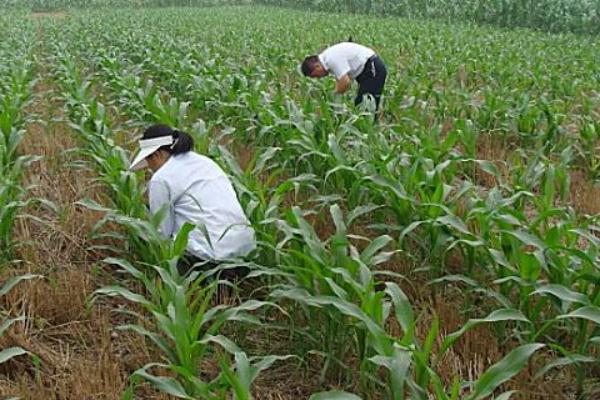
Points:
[(160, 198)]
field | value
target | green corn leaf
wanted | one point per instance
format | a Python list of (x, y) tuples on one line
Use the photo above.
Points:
[(591, 313), (506, 395), (246, 372), (181, 241), (409, 229), (495, 316), (338, 220), (503, 370), (488, 167), (345, 307), (8, 323), (395, 187), (222, 341), (265, 156), (334, 395), (456, 278), (373, 248), (500, 259), (454, 222), (564, 361), (202, 389), (241, 380), (12, 282), (337, 289), (403, 309), (259, 364), (158, 340), (588, 235), (10, 353), (125, 293), (336, 149), (163, 383), (93, 205), (563, 293), (126, 266), (398, 365), (440, 390), (359, 212), (424, 354), (128, 394), (317, 250), (527, 239)]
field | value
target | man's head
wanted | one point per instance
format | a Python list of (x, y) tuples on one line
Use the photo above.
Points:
[(313, 68)]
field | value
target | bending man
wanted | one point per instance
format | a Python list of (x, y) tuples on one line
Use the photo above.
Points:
[(348, 61)]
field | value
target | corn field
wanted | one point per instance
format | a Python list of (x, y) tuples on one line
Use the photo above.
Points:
[(447, 250)]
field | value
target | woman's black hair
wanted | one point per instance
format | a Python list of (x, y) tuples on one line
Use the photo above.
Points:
[(183, 142)]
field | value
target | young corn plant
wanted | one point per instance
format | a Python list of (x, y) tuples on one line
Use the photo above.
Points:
[(332, 269), (543, 269), (187, 330), (262, 191), (125, 195), (410, 364), (588, 148), (9, 353), (15, 95), (13, 199)]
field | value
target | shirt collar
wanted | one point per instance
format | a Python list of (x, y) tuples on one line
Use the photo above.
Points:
[(323, 62)]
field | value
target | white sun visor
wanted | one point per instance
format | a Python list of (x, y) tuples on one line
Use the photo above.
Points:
[(147, 147)]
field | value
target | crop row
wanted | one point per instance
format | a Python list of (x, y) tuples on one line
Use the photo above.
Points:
[(518, 242), (17, 71)]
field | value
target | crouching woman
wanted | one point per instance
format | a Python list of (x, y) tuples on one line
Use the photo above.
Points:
[(193, 189)]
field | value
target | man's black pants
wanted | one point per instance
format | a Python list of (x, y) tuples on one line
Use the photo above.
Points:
[(371, 80)]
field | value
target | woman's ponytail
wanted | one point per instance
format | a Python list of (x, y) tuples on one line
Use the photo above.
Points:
[(182, 143)]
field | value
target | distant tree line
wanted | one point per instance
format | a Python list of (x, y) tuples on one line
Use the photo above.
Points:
[(577, 16), (55, 5)]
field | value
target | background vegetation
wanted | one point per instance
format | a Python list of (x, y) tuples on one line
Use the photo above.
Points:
[(578, 16)]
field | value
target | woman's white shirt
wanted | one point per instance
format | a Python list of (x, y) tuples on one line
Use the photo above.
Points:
[(194, 189)]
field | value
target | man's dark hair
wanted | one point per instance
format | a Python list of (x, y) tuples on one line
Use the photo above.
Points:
[(308, 65), (183, 141)]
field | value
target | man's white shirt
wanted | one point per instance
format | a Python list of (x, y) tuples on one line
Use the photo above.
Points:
[(195, 189), (345, 58)]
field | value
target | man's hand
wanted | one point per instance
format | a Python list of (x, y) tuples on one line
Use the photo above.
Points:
[(343, 84)]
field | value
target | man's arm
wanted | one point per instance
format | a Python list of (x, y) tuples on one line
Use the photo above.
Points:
[(341, 70), (343, 84)]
